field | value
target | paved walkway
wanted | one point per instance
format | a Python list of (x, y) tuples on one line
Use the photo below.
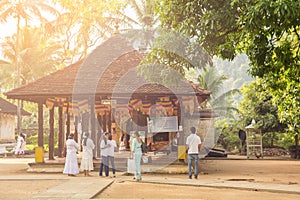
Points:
[(90, 187), (76, 188)]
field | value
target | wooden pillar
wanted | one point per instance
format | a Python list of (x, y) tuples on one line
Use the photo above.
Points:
[(51, 134), (68, 124), (109, 121), (93, 121), (181, 123), (40, 124), (104, 123), (92, 118), (76, 129), (60, 132), (99, 134), (85, 122)]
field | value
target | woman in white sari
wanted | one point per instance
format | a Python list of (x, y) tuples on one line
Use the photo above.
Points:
[(71, 163), (87, 154)]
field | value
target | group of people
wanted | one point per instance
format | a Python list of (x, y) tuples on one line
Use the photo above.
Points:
[(107, 147)]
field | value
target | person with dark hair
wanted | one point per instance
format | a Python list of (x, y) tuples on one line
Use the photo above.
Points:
[(137, 154), (20, 148), (87, 154), (71, 163), (193, 144), (243, 137), (103, 152), (111, 153)]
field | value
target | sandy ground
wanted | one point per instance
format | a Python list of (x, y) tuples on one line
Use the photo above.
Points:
[(155, 191), (263, 171), (14, 181)]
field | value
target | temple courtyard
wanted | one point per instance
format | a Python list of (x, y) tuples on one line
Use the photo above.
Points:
[(232, 178)]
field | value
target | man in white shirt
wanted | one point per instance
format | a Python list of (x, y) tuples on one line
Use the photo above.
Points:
[(193, 144)]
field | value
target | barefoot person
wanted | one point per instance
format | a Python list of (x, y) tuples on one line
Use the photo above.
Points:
[(87, 154), (71, 163)]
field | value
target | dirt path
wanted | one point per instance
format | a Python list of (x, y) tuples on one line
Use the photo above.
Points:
[(16, 184), (133, 190)]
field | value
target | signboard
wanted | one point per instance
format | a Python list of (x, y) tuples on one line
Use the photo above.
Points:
[(162, 124)]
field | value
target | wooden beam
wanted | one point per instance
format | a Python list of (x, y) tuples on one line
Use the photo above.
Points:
[(40, 125), (51, 134)]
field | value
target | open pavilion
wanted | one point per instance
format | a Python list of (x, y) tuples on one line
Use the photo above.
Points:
[(105, 92)]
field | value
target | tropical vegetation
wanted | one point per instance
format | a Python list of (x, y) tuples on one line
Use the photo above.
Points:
[(180, 35)]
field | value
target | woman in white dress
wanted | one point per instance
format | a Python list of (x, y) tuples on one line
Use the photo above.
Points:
[(87, 154), (71, 163)]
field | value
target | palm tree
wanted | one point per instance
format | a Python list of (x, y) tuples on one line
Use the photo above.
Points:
[(146, 22), (22, 9), (221, 102), (82, 26), (32, 45)]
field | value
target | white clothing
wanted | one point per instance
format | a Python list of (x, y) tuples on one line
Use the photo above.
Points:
[(192, 141), (71, 163), (111, 149), (103, 147), (87, 155), (20, 148)]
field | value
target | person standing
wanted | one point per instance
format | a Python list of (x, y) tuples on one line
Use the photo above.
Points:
[(87, 154), (20, 148), (193, 144), (137, 154), (111, 153), (71, 163), (103, 152)]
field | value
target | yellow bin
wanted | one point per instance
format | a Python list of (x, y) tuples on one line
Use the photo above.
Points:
[(39, 154), (181, 152)]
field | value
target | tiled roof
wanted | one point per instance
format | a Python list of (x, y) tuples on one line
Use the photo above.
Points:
[(109, 70), (9, 108)]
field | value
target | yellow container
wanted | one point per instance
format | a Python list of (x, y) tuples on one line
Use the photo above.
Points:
[(39, 154), (181, 152)]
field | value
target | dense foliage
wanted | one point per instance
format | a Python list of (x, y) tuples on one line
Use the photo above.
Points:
[(267, 31)]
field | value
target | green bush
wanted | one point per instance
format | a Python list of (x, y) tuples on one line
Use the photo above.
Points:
[(275, 139), (32, 141)]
